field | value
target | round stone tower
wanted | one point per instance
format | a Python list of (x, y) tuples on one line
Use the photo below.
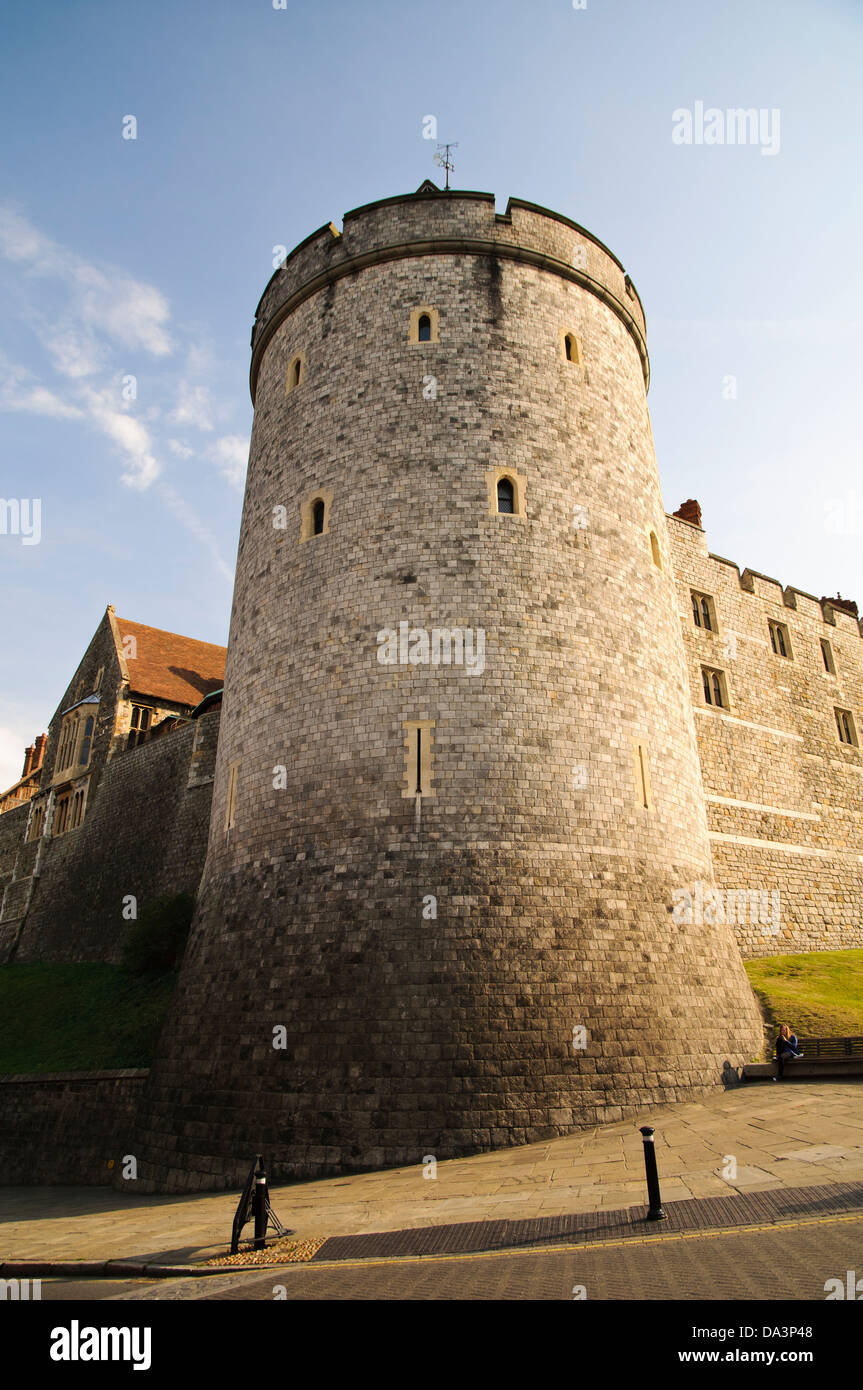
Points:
[(457, 796)]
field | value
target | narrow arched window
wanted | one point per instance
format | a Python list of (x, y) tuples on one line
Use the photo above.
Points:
[(570, 348), (316, 513), (296, 372), (424, 329), (86, 742), (845, 724), (715, 692), (505, 495)]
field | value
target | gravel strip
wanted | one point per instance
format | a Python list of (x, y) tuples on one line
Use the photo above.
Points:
[(283, 1252)]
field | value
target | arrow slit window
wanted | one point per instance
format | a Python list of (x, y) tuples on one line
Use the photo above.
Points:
[(418, 740)]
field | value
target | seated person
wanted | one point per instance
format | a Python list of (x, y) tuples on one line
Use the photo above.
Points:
[(786, 1046)]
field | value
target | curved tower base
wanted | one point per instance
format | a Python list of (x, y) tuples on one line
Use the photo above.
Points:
[(457, 792)]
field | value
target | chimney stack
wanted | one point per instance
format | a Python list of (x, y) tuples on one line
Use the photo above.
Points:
[(689, 511), (34, 755), (845, 605)]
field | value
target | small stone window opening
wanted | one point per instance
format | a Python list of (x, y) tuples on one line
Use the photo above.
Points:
[(86, 742), (231, 798), (655, 551), (75, 742), (61, 814), (418, 758), (139, 727), (296, 373), (642, 776), (507, 491), (76, 812), (64, 746), (570, 348), (703, 611), (505, 496), (715, 692), (419, 777), (36, 821), (424, 325), (315, 514), (845, 725), (780, 640), (827, 657)]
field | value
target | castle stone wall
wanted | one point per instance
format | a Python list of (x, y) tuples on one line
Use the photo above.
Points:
[(784, 795), (144, 835), (14, 879), (66, 1129), (425, 967)]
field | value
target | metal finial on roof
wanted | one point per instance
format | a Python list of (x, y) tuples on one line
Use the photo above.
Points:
[(442, 157)]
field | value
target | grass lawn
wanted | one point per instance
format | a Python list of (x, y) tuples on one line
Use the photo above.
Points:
[(820, 994), (97, 1017), (78, 1017)]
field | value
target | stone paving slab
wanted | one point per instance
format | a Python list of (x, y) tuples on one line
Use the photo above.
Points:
[(804, 1134)]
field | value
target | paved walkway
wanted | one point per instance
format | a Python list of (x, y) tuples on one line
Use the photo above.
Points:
[(782, 1263), (771, 1206), (750, 1139)]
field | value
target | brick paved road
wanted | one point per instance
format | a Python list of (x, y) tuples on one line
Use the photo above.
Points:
[(741, 1264)]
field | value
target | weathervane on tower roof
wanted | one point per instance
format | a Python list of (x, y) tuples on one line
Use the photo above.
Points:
[(443, 159)]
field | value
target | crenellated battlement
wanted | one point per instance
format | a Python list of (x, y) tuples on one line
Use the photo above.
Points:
[(772, 591), (446, 223)]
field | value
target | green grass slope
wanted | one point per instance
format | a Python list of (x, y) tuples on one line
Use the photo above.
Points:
[(78, 1017), (820, 993)]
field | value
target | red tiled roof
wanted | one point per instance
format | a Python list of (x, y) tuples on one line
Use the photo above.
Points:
[(169, 667)]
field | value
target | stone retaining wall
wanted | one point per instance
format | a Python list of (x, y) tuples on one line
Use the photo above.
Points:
[(66, 1128)]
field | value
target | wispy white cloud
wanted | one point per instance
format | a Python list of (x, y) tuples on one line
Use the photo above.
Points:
[(129, 434), (23, 243), (194, 407), (104, 299), (231, 454), (181, 451), (99, 316), (188, 518), (74, 354), (36, 400)]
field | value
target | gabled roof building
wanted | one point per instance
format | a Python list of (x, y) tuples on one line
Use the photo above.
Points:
[(133, 685)]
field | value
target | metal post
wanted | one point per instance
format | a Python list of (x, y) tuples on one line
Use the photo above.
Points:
[(260, 1205), (655, 1213)]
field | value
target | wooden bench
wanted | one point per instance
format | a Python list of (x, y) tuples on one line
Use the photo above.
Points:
[(821, 1057)]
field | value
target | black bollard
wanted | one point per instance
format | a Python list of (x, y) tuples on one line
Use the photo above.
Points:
[(655, 1213), (260, 1205)]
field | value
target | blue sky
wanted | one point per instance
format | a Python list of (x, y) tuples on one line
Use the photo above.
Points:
[(145, 258)]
